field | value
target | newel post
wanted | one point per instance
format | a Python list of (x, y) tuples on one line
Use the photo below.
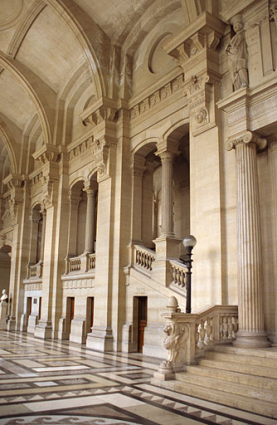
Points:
[(180, 342)]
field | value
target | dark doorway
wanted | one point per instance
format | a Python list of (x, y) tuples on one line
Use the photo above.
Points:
[(142, 321), (70, 311), (90, 313)]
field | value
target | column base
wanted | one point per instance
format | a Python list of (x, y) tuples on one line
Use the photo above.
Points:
[(77, 333), (100, 339), (43, 330), (251, 340), (11, 325), (3, 316)]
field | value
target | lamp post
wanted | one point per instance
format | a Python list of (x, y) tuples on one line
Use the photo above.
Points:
[(189, 243)]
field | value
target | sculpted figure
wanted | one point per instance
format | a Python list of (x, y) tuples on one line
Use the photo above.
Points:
[(237, 55), (4, 297), (173, 341)]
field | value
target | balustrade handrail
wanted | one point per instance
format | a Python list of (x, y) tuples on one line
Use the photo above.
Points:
[(179, 271), (80, 264), (144, 257), (189, 336)]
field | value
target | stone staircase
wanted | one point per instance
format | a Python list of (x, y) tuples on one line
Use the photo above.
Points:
[(237, 377)]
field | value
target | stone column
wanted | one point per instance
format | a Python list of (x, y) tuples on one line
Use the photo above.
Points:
[(74, 202), (167, 194), (90, 219), (43, 213), (138, 168), (251, 332), (34, 218)]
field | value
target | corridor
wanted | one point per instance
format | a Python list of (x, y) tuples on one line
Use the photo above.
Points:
[(57, 382)]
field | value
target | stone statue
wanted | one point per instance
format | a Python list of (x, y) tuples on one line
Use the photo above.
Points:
[(173, 342), (237, 55), (4, 297)]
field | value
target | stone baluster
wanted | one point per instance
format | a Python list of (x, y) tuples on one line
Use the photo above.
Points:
[(250, 298)]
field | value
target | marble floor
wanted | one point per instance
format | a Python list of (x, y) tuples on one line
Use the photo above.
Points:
[(57, 382)]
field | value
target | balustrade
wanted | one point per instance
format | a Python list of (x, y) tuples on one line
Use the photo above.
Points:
[(179, 273), (144, 257), (81, 264), (35, 271), (188, 336)]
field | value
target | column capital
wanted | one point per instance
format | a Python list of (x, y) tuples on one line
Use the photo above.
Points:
[(138, 165), (89, 188), (167, 148), (246, 137)]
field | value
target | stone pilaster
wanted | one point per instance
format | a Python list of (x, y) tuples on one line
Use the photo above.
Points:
[(272, 157), (15, 201), (250, 296)]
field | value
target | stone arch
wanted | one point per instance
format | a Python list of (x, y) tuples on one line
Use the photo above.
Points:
[(28, 87), (8, 141), (72, 20)]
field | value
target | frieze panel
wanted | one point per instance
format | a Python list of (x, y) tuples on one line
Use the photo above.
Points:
[(159, 96), (82, 147)]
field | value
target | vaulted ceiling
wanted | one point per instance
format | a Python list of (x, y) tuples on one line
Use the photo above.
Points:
[(52, 51)]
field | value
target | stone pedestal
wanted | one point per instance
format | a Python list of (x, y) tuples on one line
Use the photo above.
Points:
[(43, 330), (3, 315), (100, 339), (77, 332)]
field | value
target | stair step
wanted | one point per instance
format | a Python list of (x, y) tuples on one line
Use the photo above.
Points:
[(218, 396), (234, 377), (241, 368), (270, 352), (235, 358), (228, 388)]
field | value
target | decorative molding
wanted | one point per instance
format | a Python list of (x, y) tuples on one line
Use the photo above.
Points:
[(79, 149), (47, 153), (157, 97), (101, 111)]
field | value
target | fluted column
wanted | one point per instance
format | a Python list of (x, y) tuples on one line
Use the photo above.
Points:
[(167, 193), (90, 219), (250, 296)]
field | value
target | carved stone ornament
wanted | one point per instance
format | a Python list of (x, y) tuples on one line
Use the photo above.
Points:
[(47, 192), (174, 342), (201, 116), (246, 138), (237, 55), (47, 153), (99, 115), (101, 151)]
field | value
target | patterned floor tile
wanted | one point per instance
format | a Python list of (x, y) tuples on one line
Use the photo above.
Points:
[(59, 382)]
